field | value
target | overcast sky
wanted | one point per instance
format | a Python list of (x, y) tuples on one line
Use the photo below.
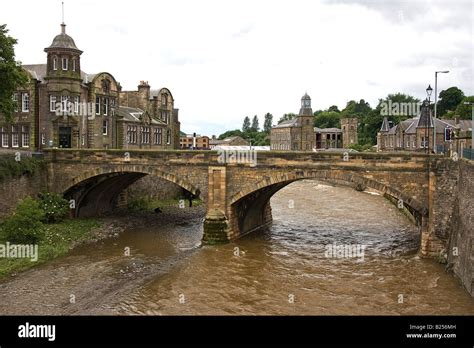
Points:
[(223, 60)]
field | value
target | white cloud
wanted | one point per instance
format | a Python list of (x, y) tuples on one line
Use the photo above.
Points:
[(224, 60)]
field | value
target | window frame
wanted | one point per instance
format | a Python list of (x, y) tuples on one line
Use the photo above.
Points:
[(64, 59), (25, 101)]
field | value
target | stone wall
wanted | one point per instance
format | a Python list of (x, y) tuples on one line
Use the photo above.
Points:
[(153, 187), (13, 190), (460, 251)]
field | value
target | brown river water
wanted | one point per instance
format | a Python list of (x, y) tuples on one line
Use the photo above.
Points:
[(283, 269)]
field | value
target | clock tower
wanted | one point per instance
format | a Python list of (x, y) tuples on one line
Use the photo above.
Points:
[(306, 122)]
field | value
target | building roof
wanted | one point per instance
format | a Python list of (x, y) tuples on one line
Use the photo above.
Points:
[(409, 126), (385, 127), (63, 41), (134, 115), (39, 71), (288, 123), (225, 141), (241, 148)]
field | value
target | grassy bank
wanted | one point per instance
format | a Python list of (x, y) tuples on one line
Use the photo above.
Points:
[(59, 239)]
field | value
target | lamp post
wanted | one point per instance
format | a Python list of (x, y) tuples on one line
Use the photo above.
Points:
[(429, 90), (436, 106)]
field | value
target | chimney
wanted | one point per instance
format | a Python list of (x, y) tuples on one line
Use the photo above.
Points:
[(456, 120)]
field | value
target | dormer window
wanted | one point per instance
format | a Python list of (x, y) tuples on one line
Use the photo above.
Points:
[(164, 99), (55, 63), (64, 63)]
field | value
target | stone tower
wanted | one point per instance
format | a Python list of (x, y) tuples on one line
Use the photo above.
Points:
[(306, 122), (349, 132)]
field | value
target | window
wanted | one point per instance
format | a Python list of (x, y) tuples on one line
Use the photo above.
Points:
[(25, 105), (105, 126), (132, 134), (97, 105), (159, 136), (55, 63), (64, 62), (164, 99), (25, 136), (77, 100), (15, 99), (64, 103), (43, 138), (168, 137), (425, 142), (413, 141), (52, 103), (407, 143), (144, 135), (164, 116), (73, 65), (4, 136), (15, 136), (105, 106)]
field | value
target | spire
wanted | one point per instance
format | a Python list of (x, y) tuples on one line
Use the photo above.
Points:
[(385, 127), (63, 26)]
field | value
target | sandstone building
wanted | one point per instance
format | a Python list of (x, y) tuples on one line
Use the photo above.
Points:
[(299, 133), (64, 107)]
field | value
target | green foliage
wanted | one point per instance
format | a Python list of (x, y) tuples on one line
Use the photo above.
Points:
[(24, 226), (139, 204), (55, 207), (11, 72), (231, 133), (267, 124), (10, 168), (465, 111), (286, 117), (246, 124), (354, 109), (361, 148), (328, 119), (255, 126), (334, 108), (450, 99)]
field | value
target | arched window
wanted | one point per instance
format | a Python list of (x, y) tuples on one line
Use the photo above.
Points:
[(164, 99)]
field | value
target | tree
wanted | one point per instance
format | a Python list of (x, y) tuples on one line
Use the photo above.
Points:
[(255, 127), (327, 119), (465, 111), (334, 108), (267, 124), (231, 133), (450, 99), (286, 117), (12, 74), (246, 125)]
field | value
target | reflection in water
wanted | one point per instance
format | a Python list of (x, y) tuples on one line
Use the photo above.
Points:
[(280, 270)]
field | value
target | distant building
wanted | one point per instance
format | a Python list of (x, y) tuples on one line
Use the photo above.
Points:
[(299, 134), (416, 134), (349, 132), (229, 141), (187, 141)]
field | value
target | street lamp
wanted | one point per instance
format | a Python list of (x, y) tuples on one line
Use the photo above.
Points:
[(429, 90), (426, 105), (436, 106)]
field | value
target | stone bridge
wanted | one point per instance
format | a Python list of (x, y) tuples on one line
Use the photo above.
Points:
[(237, 195)]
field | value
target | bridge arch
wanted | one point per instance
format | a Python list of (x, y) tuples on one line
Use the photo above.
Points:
[(97, 191), (250, 207)]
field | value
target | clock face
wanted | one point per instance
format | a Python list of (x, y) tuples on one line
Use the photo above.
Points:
[(306, 102)]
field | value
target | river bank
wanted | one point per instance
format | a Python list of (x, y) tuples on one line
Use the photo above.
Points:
[(61, 238)]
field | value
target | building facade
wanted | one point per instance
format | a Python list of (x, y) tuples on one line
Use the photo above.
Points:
[(299, 133), (416, 134), (187, 142), (63, 107), (229, 141)]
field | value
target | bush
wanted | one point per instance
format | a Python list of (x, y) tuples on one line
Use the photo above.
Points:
[(25, 226), (55, 207), (138, 205)]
